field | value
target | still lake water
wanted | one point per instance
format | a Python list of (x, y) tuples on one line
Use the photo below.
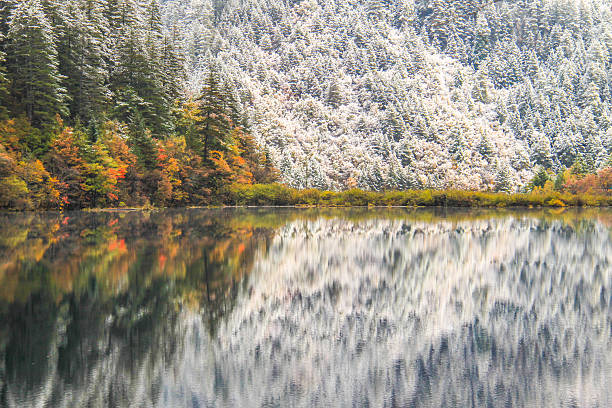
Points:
[(285, 307)]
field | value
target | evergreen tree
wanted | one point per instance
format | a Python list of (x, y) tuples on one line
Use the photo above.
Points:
[(174, 74), (540, 178), (141, 141), (485, 149), (137, 80), (4, 86), (215, 120), (33, 65), (6, 9), (502, 180), (81, 51)]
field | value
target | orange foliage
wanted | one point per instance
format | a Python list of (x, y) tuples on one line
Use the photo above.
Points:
[(117, 245), (9, 137), (171, 154), (161, 259), (600, 183), (69, 168)]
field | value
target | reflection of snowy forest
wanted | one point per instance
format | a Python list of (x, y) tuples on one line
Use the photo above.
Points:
[(429, 314), (412, 93), (301, 308)]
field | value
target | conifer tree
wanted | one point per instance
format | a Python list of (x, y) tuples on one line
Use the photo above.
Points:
[(141, 142), (215, 115), (137, 85), (81, 53), (4, 86), (173, 67), (33, 65)]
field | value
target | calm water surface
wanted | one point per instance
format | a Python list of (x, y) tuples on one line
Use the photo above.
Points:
[(252, 308)]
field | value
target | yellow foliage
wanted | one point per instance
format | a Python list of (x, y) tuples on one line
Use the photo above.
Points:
[(555, 202)]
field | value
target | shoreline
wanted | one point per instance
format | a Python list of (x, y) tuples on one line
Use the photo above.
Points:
[(312, 207), (281, 196)]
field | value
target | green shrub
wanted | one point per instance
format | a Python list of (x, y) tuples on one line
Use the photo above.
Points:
[(279, 194)]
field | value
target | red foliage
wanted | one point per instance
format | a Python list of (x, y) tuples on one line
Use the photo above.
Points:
[(600, 183)]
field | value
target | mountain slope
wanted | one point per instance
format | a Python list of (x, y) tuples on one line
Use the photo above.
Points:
[(448, 94)]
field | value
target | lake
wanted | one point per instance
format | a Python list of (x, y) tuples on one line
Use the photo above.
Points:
[(306, 307)]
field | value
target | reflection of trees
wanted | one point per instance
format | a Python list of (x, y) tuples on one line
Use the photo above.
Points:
[(97, 309), (497, 312), (91, 302)]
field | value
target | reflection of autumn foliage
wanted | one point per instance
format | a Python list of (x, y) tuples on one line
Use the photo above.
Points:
[(203, 255), (206, 254)]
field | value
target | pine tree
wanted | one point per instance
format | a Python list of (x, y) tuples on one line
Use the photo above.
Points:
[(540, 178), (153, 21), (136, 79), (485, 149), (540, 149), (141, 141), (81, 51), (33, 65), (502, 180), (155, 90), (4, 86), (215, 122), (54, 12), (121, 20), (174, 69), (6, 9)]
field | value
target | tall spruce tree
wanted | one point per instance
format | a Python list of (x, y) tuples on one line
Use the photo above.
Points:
[(216, 113), (81, 50), (32, 65), (4, 85), (154, 88), (173, 63)]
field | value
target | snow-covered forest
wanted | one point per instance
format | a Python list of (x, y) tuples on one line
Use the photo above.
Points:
[(469, 94), (135, 102)]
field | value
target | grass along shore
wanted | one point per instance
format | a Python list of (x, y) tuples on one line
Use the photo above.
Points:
[(281, 195)]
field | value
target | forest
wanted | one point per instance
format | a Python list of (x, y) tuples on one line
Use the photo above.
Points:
[(94, 112), (116, 103), (413, 94)]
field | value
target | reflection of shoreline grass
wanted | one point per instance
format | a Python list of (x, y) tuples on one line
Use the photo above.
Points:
[(275, 217), (280, 195)]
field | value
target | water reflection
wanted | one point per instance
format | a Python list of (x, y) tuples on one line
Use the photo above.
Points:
[(306, 307)]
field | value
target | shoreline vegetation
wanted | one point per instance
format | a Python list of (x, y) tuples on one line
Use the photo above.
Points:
[(280, 196)]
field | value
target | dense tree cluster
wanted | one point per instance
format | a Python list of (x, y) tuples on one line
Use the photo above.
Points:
[(94, 111), (469, 94), (104, 102)]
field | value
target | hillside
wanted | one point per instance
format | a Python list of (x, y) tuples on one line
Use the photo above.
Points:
[(411, 94)]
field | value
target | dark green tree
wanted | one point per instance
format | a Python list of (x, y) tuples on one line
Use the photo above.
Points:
[(215, 121), (137, 79), (32, 65), (4, 85), (81, 49), (540, 178), (174, 71), (141, 142)]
